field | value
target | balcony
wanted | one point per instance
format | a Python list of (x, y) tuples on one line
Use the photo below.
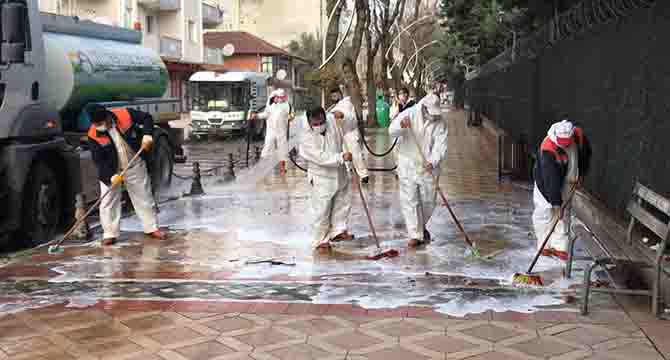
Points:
[(213, 56), (211, 15), (170, 48), (161, 5)]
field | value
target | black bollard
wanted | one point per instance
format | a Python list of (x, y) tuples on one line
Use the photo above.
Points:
[(82, 231), (230, 174), (257, 153), (196, 185)]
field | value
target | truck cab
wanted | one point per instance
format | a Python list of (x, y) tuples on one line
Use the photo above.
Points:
[(221, 102), (51, 68)]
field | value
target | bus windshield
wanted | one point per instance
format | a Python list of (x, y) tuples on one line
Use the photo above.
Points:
[(208, 96)]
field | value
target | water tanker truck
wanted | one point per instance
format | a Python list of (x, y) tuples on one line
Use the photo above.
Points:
[(51, 68)]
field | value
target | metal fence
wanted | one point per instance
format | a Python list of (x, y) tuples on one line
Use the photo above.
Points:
[(606, 65)]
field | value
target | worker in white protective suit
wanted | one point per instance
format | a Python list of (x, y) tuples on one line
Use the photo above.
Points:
[(322, 148), (563, 160), (347, 122), (422, 123), (277, 116), (114, 138)]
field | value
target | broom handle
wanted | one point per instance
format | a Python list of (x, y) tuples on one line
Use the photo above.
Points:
[(365, 203), (553, 227), (88, 212), (439, 190)]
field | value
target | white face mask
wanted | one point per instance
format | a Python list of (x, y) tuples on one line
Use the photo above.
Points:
[(321, 129), (101, 128)]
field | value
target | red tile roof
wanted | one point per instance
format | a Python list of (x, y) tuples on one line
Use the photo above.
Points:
[(244, 43)]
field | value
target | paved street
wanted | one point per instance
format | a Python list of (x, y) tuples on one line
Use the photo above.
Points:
[(237, 279)]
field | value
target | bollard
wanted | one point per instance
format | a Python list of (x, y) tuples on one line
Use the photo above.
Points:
[(230, 174), (82, 231), (257, 153), (196, 185)]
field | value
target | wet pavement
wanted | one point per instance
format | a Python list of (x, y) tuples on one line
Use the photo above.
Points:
[(237, 278)]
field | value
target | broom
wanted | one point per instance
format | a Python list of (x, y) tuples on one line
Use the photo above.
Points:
[(56, 249), (528, 278), (473, 247), (391, 253)]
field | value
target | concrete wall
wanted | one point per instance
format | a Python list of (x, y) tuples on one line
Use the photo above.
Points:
[(192, 12)]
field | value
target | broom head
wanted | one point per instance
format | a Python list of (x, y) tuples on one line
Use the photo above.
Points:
[(527, 279), (391, 253)]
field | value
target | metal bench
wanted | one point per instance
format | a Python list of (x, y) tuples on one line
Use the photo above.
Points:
[(607, 253)]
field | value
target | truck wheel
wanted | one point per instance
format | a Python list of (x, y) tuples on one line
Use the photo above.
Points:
[(42, 205), (162, 164)]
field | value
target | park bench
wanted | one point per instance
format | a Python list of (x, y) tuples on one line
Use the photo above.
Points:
[(648, 210)]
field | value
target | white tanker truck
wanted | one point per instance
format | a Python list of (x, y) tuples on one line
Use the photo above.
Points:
[(51, 68)]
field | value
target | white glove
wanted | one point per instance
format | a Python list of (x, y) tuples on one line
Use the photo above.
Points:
[(147, 143)]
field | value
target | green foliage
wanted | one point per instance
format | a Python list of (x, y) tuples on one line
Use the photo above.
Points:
[(477, 31)]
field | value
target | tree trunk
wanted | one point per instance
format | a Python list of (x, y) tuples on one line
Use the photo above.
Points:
[(370, 78), (385, 69), (334, 28), (349, 67)]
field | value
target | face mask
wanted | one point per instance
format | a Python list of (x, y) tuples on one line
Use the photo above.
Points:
[(321, 129), (101, 128)]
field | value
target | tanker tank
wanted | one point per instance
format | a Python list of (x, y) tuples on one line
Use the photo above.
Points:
[(85, 68)]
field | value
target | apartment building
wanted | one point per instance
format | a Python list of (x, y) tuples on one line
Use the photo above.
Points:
[(276, 21), (173, 28)]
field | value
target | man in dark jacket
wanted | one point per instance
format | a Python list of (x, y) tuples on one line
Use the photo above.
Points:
[(114, 138), (563, 160)]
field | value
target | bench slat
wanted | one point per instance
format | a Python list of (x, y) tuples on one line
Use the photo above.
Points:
[(591, 244), (648, 220), (652, 198)]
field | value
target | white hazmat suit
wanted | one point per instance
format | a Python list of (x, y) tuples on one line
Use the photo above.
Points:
[(331, 186), (349, 129), (418, 193), (277, 118)]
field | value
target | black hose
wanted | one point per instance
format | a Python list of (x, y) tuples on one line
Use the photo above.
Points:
[(383, 169), (370, 150), (290, 156)]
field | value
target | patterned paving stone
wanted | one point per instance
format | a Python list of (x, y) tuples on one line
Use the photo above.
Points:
[(352, 340), (264, 338), (230, 324), (446, 344), (204, 351), (491, 333), (172, 336), (494, 355), (26, 346), (148, 323), (395, 353), (588, 336), (543, 348), (401, 329), (114, 349), (94, 333), (300, 352), (313, 327)]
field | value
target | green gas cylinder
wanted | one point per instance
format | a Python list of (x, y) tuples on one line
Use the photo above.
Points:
[(383, 111)]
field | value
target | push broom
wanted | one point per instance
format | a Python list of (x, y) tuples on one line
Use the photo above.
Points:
[(528, 278), (56, 249), (381, 254), (473, 247)]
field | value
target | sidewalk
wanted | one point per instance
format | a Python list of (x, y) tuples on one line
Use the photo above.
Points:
[(193, 297)]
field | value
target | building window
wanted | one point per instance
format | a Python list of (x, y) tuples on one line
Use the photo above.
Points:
[(266, 65), (192, 32), (150, 24)]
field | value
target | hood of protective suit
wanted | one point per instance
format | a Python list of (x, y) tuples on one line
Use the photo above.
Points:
[(561, 133), (432, 103)]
